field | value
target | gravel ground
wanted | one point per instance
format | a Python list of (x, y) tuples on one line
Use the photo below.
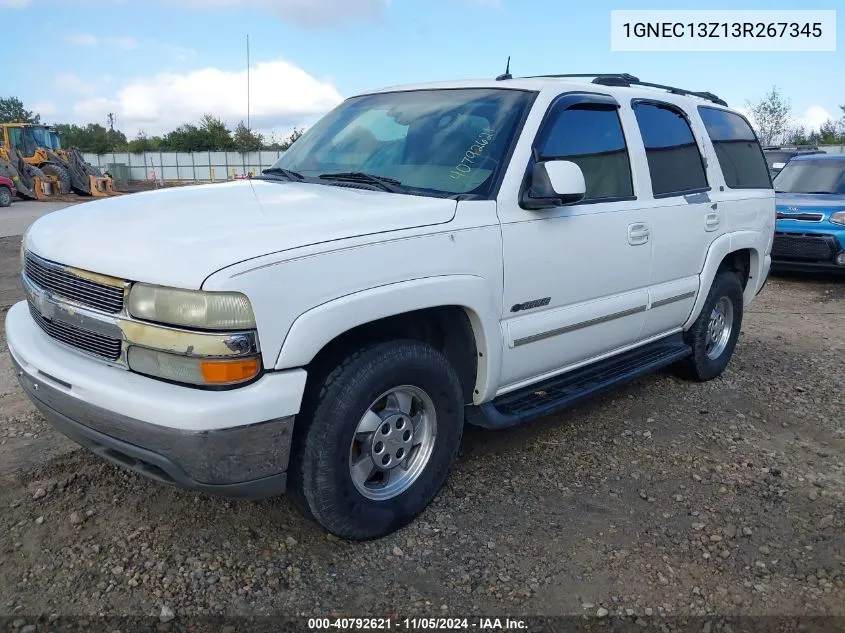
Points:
[(660, 498)]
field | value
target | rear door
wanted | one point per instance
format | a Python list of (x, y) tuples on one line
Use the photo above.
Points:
[(684, 217)]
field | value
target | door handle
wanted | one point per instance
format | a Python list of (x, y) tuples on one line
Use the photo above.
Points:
[(711, 221), (638, 233)]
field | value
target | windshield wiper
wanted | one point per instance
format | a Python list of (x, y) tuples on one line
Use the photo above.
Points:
[(287, 173), (385, 184)]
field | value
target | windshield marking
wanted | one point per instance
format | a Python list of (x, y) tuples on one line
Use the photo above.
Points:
[(475, 151)]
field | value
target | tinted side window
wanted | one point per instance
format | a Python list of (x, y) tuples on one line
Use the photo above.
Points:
[(739, 153), (673, 158), (591, 136)]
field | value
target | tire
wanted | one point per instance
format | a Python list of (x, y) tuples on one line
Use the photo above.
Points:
[(53, 169), (710, 357), (5, 197), (385, 380)]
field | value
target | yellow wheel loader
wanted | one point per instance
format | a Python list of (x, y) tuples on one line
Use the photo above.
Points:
[(30, 182), (40, 147)]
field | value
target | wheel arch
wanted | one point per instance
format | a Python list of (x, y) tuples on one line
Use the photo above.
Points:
[(455, 314), (739, 252)]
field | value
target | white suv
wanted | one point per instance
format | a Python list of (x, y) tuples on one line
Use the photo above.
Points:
[(487, 251)]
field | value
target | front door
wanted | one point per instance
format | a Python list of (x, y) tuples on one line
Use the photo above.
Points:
[(576, 276)]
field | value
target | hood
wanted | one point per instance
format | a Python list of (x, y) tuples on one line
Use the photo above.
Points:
[(179, 236), (817, 202)]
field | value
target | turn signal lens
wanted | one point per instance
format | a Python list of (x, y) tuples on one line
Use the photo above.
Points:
[(219, 372), (190, 369)]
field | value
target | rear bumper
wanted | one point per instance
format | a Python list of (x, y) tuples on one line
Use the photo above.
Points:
[(215, 441)]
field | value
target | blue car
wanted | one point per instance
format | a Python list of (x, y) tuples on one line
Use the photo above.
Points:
[(810, 229)]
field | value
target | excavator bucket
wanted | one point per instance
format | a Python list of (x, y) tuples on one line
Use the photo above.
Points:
[(86, 180), (102, 187)]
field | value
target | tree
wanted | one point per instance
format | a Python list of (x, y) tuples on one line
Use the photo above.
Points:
[(143, 143), (12, 111), (829, 133), (215, 134), (770, 116), (92, 138), (247, 141), (290, 140), (798, 136)]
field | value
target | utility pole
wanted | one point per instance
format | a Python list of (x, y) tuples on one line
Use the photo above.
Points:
[(247, 82)]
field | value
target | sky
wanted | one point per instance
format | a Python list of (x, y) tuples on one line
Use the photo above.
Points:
[(157, 64)]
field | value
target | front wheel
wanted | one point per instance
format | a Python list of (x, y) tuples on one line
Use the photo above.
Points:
[(714, 333), (376, 439), (5, 197)]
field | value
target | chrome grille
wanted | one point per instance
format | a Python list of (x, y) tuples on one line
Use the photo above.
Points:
[(90, 342), (62, 283)]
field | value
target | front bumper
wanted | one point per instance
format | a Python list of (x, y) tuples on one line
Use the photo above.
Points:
[(234, 442), (814, 250)]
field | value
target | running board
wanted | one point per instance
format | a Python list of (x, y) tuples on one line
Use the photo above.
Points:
[(551, 395)]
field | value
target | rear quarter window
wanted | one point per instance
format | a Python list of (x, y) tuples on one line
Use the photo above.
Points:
[(739, 153)]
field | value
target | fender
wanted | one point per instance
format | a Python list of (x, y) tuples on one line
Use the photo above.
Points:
[(312, 330), (719, 249)]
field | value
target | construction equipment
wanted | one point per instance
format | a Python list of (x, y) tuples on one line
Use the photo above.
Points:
[(40, 147), (29, 181)]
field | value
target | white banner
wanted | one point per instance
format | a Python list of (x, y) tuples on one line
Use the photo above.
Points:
[(727, 30)]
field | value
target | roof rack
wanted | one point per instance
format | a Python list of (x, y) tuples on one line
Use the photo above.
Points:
[(627, 80), (797, 147)]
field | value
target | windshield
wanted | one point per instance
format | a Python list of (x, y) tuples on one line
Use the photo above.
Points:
[(23, 140), (812, 176), (433, 142), (41, 136)]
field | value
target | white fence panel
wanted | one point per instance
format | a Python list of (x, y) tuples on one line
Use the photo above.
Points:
[(184, 166)]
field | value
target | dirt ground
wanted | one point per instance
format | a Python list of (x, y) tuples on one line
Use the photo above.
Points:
[(660, 498)]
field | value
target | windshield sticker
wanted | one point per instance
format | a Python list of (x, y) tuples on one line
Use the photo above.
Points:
[(475, 151)]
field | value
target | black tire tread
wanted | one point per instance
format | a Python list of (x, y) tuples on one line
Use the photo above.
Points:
[(60, 172), (697, 367), (326, 392)]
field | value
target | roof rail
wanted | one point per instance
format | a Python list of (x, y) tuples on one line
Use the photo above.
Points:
[(798, 147), (628, 80)]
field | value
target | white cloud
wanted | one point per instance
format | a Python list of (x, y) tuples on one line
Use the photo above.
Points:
[(14, 4), (123, 43), (74, 84), (281, 96), (305, 13), (46, 109), (82, 39), (814, 117)]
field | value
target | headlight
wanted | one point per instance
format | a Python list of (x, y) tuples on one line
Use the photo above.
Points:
[(838, 217), (190, 369), (191, 308)]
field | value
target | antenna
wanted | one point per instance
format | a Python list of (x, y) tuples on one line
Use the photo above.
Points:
[(507, 74), (247, 82)]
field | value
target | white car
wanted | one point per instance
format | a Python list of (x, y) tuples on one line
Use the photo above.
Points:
[(484, 251)]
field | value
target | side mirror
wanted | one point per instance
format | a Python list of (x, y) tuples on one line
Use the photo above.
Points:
[(554, 183)]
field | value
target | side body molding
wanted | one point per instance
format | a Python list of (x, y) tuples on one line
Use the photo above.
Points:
[(312, 330)]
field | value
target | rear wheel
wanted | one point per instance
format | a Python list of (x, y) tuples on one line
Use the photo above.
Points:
[(53, 169), (5, 197), (714, 333), (376, 439)]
